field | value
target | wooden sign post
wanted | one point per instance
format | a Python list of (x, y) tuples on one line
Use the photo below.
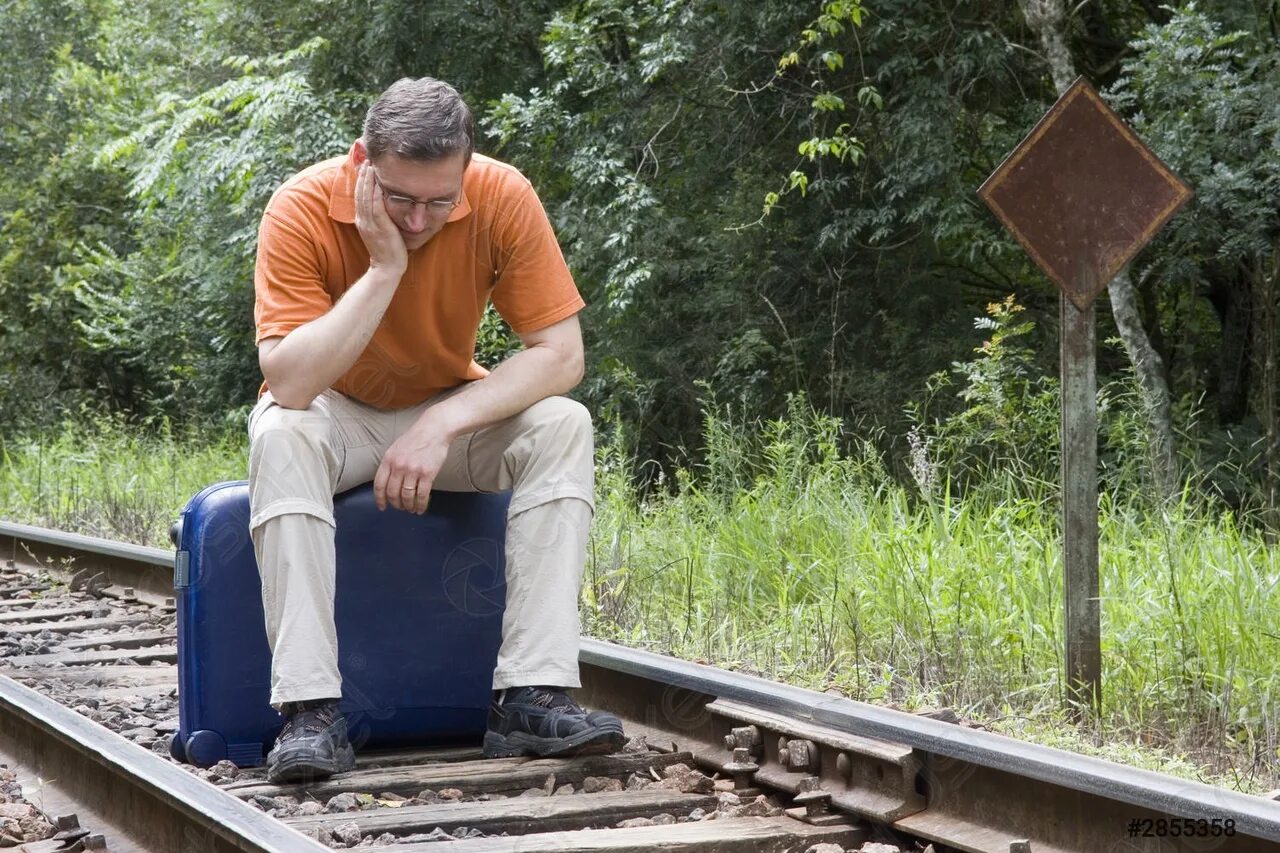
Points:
[(1082, 195)]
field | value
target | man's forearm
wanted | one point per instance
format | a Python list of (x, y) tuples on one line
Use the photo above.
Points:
[(313, 356), (514, 385)]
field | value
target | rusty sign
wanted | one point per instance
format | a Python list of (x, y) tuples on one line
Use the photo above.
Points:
[(1083, 194)]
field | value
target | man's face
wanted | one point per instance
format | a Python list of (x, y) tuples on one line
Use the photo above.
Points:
[(419, 196)]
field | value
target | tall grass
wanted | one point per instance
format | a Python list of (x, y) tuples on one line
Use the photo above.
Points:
[(111, 479), (784, 556)]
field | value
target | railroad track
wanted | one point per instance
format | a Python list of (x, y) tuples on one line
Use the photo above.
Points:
[(718, 761)]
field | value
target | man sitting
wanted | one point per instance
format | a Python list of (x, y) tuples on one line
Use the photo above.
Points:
[(373, 273)]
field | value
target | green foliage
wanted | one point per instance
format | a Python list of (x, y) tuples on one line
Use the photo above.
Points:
[(201, 170), (150, 137), (1208, 103), (657, 131), (816, 59), (1009, 420)]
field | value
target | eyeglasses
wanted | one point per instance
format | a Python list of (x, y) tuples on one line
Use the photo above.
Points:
[(406, 204)]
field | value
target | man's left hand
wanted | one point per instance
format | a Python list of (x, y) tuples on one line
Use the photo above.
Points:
[(409, 468)]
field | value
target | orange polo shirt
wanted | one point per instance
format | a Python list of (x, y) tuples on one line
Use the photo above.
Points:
[(497, 244)]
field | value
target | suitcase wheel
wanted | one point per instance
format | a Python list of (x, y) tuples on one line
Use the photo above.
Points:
[(175, 748), (205, 748)]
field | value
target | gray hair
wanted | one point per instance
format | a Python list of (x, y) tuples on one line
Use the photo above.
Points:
[(423, 119)]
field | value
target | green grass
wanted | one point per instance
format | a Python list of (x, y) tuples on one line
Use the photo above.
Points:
[(111, 479), (784, 556)]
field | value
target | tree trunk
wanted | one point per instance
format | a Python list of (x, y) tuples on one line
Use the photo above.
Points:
[(1148, 367), (1048, 18), (1231, 296), (1267, 309)]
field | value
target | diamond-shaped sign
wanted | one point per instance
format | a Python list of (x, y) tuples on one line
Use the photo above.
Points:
[(1082, 194)]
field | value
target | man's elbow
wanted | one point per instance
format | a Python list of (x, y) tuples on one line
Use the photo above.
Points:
[(288, 398), (574, 369), (286, 394)]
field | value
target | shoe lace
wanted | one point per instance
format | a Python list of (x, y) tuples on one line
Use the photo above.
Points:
[(555, 699), (309, 720)]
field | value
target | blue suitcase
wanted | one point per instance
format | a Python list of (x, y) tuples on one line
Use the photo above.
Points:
[(418, 611)]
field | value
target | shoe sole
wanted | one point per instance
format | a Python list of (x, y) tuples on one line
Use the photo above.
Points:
[(307, 766), (591, 742)]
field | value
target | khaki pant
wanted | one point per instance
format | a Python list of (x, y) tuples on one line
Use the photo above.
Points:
[(300, 458)]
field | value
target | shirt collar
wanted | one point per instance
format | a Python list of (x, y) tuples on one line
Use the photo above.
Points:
[(342, 201)]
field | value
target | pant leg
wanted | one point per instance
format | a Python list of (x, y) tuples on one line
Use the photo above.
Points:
[(545, 456), (297, 460)]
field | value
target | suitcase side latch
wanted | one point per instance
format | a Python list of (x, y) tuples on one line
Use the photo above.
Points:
[(181, 569)]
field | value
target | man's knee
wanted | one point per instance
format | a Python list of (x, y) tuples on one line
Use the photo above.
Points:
[(280, 433), (290, 447), (563, 420)]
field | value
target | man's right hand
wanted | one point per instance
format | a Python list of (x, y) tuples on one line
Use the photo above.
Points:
[(380, 235), (313, 356)]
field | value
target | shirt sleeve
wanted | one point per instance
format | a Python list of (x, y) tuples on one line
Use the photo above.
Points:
[(288, 284), (533, 288)]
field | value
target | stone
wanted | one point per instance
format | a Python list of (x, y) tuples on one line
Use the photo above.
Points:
[(447, 794), (825, 848), (635, 821), (436, 834), (596, 784), (877, 847), (564, 789), (348, 834), (226, 769), (680, 777), (663, 819), (759, 807), (17, 811), (636, 744), (266, 803), (36, 828), (534, 792), (344, 802), (728, 798), (636, 782), (142, 734), (310, 807)]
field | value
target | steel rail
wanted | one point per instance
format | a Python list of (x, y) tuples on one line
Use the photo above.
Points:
[(14, 533), (149, 801), (608, 666), (116, 562), (1152, 793)]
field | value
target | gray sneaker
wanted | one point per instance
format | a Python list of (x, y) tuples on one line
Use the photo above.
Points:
[(312, 745), (545, 722)]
